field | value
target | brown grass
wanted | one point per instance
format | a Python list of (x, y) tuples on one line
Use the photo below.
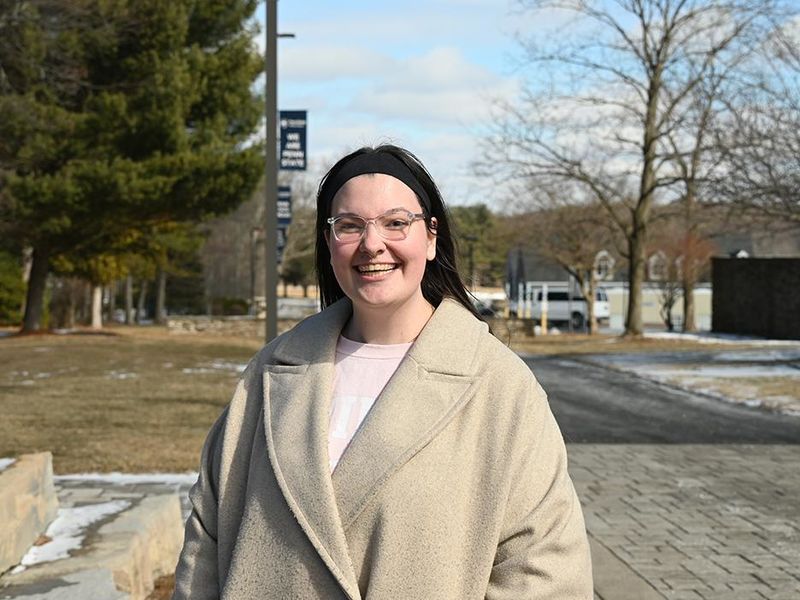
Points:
[(514, 335), (121, 401), (118, 402)]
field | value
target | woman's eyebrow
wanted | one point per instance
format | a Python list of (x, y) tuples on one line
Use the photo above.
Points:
[(352, 214)]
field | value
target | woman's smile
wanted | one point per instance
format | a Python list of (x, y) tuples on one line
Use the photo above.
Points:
[(374, 270)]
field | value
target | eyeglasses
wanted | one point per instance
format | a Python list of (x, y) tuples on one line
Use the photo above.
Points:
[(392, 225)]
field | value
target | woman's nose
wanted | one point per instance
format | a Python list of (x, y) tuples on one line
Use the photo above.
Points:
[(372, 242)]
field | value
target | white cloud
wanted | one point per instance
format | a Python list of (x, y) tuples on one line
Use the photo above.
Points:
[(440, 85), (325, 63)]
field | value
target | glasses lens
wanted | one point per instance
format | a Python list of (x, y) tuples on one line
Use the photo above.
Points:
[(394, 225), (348, 229)]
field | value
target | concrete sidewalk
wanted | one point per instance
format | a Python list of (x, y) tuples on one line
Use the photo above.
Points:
[(684, 522), (691, 522)]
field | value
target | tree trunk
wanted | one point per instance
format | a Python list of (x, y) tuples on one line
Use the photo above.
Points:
[(140, 305), (636, 270), (161, 295), (34, 299), (97, 306), (591, 296), (128, 300), (72, 304), (689, 323), (112, 301), (637, 238)]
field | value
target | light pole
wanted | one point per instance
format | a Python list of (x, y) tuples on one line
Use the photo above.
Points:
[(271, 170)]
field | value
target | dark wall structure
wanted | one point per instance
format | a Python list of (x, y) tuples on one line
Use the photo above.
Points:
[(756, 296)]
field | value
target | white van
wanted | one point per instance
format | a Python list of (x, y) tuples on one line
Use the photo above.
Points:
[(561, 310)]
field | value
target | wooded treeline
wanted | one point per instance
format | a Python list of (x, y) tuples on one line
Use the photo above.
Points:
[(125, 124)]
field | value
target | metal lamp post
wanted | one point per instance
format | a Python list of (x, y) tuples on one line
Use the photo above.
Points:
[(271, 170)]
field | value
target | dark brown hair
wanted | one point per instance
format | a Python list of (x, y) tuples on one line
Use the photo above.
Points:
[(441, 278)]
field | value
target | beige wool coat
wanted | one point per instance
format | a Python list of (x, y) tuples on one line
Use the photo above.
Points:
[(454, 488)]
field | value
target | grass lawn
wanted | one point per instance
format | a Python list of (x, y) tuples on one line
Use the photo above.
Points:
[(133, 400), (142, 400)]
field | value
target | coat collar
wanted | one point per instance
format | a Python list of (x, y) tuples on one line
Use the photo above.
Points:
[(445, 345), (424, 394)]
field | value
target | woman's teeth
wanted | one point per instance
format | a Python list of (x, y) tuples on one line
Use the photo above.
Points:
[(375, 268)]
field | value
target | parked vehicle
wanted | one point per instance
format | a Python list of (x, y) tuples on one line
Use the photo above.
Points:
[(561, 310)]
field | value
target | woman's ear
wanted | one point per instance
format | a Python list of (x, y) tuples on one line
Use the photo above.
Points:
[(432, 227)]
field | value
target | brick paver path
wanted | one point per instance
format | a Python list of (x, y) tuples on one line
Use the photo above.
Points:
[(697, 521)]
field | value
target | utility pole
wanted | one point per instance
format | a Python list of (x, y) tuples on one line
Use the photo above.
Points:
[(271, 186)]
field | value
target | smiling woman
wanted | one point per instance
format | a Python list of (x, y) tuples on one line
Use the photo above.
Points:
[(389, 446)]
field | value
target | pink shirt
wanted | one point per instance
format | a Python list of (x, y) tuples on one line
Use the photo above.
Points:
[(361, 373)]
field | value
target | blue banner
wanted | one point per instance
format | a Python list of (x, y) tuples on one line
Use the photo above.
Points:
[(284, 205), (292, 156)]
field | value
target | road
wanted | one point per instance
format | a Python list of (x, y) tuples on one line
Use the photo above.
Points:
[(597, 405)]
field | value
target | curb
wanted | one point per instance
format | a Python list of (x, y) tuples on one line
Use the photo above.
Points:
[(131, 551), (28, 504)]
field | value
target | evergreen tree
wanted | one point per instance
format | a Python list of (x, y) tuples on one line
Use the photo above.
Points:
[(152, 128)]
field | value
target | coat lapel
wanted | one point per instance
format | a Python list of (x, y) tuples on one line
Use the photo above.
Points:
[(297, 391), (427, 390)]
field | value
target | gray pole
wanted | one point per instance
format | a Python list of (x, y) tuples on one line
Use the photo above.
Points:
[(271, 174)]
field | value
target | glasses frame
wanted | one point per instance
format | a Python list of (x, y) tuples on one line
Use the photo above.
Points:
[(412, 217)]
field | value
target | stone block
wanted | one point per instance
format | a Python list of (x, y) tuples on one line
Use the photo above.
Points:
[(136, 547), (28, 504)]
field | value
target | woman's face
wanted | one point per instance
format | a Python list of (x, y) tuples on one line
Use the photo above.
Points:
[(375, 273)]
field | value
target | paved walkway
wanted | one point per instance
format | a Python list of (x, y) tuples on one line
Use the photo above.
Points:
[(683, 522), (692, 521)]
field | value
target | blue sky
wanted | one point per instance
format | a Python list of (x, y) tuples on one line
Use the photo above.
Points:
[(421, 74)]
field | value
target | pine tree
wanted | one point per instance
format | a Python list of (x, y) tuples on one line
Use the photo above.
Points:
[(152, 128)]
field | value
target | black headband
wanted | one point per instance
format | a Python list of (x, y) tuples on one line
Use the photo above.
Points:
[(376, 162)]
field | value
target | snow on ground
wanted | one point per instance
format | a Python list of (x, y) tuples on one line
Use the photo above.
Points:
[(707, 337), (6, 462), (215, 366), (67, 531), (755, 377), (114, 374), (731, 371)]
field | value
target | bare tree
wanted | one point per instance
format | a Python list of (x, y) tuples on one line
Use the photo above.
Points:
[(678, 251), (616, 87), (572, 234), (759, 141)]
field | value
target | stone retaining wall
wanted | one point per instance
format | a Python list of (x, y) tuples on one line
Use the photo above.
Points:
[(28, 504)]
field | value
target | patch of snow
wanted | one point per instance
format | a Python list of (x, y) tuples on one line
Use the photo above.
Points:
[(718, 338), (6, 462), (131, 478), (42, 349), (757, 356), (167, 365), (120, 375), (215, 366), (67, 531), (732, 372), (42, 375), (27, 382), (231, 366)]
